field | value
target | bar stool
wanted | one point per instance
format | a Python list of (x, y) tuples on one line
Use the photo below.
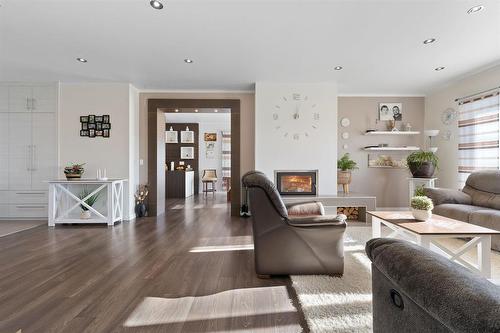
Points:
[(209, 177)]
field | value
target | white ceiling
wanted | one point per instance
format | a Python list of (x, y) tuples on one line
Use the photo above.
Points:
[(235, 43)]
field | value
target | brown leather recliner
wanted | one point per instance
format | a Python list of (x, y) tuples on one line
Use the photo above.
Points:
[(292, 244)]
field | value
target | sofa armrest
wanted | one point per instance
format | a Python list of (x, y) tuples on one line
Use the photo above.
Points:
[(441, 196), (305, 208), (317, 221), (448, 292)]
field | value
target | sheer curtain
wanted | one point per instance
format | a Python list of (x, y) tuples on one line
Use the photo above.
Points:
[(479, 131), (226, 160)]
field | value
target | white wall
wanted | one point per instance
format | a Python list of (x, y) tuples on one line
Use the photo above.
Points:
[(274, 151), (208, 123), (118, 153), (440, 100)]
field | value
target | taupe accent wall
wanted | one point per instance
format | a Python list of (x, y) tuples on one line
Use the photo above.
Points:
[(390, 186)]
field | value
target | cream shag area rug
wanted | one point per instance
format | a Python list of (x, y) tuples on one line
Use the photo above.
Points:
[(340, 304), (344, 304)]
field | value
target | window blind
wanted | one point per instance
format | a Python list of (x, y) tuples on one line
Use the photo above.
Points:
[(226, 159), (479, 132)]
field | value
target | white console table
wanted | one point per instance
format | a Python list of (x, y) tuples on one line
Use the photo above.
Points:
[(65, 202)]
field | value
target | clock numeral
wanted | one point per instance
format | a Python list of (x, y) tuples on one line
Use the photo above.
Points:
[(275, 116), (284, 98), (314, 126), (286, 134), (306, 134), (296, 136), (316, 116), (313, 106), (296, 96), (277, 107), (277, 127)]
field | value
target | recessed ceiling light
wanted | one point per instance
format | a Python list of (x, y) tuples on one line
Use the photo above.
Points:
[(216, 110), (430, 40), (475, 9), (439, 68), (156, 4), (81, 59), (176, 110), (195, 110), (188, 61), (337, 68)]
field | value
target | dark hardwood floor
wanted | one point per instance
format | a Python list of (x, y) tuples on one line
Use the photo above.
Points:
[(191, 271)]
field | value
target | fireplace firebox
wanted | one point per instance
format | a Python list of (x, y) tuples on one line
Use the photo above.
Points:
[(292, 182)]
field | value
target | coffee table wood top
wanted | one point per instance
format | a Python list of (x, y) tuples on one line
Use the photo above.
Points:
[(437, 225)]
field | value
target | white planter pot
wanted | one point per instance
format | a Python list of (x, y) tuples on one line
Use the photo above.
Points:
[(421, 215), (85, 214)]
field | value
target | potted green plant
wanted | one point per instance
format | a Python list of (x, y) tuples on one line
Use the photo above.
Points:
[(344, 167), (85, 214), (421, 208), (422, 164), (74, 171)]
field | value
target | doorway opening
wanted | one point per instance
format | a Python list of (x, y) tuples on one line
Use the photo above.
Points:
[(159, 164), (198, 153)]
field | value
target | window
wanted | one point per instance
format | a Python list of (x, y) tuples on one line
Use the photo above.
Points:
[(479, 131)]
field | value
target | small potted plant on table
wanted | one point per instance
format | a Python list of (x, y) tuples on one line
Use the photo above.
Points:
[(422, 164), (74, 171), (345, 165), (421, 208)]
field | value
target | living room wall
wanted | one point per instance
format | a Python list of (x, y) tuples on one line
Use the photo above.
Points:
[(444, 98), (304, 147), (390, 186)]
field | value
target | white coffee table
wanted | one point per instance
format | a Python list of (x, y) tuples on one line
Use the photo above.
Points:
[(427, 234)]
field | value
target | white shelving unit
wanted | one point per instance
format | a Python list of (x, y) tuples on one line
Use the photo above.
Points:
[(393, 133), (409, 148)]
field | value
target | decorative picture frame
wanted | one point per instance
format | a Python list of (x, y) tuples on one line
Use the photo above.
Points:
[(171, 137), (390, 111), (187, 136), (210, 137), (93, 126), (187, 153)]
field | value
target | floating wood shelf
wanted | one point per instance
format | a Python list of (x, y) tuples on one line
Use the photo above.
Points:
[(393, 133), (409, 148)]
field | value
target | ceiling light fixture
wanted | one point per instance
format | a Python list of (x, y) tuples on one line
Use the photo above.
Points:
[(81, 60), (337, 68), (195, 110), (216, 110), (188, 61), (156, 4), (176, 110), (475, 9), (430, 40), (439, 68)]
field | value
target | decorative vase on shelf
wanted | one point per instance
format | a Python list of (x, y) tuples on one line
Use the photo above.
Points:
[(421, 215)]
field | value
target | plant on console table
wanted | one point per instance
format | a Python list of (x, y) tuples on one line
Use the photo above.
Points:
[(74, 171), (422, 164), (345, 165), (421, 208), (85, 214)]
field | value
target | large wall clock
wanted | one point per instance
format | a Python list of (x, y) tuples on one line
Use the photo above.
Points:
[(295, 116)]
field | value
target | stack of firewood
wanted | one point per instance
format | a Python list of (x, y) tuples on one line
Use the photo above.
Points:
[(352, 213)]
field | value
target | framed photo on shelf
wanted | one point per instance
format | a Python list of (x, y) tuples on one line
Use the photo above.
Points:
[(171, 137), (187, 137), (187, 153)]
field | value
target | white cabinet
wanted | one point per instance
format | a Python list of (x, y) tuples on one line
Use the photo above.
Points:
[(189, 183), (4, 151), (28, 148), (20, 151), (43, 150)]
